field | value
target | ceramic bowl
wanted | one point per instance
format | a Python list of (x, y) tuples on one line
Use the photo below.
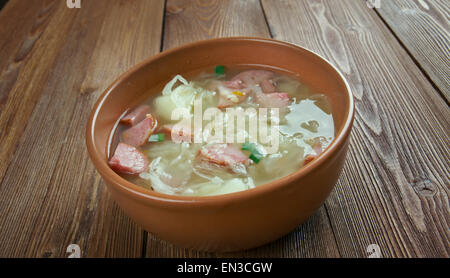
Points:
[(238, 220)]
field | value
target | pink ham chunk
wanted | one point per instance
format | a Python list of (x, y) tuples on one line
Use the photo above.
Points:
[(272, 100), (184, 133), (230, 92), (243, 83), (267, 86), (317, 148), (128, 160), (250, 78), (136, 115), (138, 135), (229, 97), (234, 84), (224, 103), (223, 155), (309, 158)]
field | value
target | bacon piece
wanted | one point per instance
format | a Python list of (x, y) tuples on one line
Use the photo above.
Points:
[(128, 160), (136, 115), (138, 135), (223, 155)]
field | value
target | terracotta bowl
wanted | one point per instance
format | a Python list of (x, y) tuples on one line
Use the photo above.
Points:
[(239, 220)]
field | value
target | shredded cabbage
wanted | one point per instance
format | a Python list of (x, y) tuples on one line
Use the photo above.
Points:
[(168, 88), (155, 174), (229, 186), (217, 186), (183, 96), (171, 168)]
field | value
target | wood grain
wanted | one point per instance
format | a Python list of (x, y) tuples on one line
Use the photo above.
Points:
[(423, 28), (51, 194), (195, 20), (188, 21), (16, 60), (55, 61), (395, 186)]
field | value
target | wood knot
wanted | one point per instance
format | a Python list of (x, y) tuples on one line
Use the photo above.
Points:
[(352, 28), (424, 187), (173, 9), (47, 254), (87, 91)]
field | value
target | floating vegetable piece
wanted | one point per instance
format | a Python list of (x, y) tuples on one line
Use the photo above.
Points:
[(255, 155), (156, 137), (219, 70)]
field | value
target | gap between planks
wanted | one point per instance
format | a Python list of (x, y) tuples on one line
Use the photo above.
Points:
[(413, 58)]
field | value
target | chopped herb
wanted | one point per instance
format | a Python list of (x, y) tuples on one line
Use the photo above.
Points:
[(255, 155), (219, 70), (247, 146), (156, 137)]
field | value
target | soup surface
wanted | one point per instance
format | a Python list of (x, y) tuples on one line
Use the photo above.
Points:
[(223, 130)]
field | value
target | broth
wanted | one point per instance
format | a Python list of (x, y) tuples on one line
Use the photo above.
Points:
[(181, 161)]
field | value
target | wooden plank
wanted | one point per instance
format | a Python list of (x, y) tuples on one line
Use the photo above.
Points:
[(423, 28), (394, 188), (19, 45), (51, 195), (188, 21)]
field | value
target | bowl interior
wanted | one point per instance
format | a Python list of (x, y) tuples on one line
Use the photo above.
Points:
[(135, 85)]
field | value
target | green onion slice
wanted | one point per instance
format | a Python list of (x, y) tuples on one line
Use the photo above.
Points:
[(156, 137), (219, 70), (247, 146), (255, 155)]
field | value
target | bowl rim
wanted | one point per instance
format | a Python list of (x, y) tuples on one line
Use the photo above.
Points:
[(147, 195)]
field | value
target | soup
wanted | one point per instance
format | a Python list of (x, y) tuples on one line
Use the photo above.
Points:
[(223, 130)]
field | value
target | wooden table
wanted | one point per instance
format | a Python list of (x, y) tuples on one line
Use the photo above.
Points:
[(56, 61)]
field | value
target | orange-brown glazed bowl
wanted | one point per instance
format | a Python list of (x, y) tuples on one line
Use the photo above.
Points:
[(238, 220)]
